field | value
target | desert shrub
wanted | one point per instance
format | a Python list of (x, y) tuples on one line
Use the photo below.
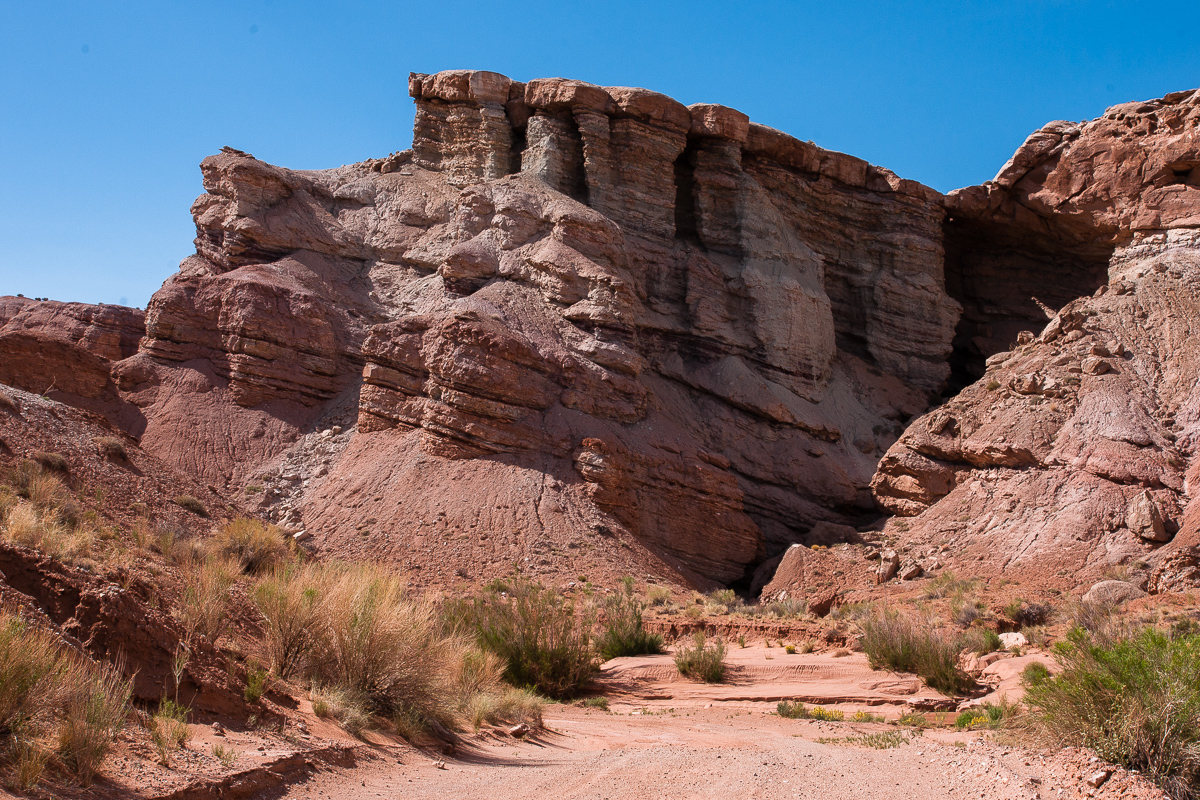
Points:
[(724, 600), (657, 595), (981, 641), (1093, 617), (965, 612), (1026, 614), (866, 716), (288, 600), (47, 691), (256, 683), (913, 719), (537, 634), (168, 729), (1134, 701), (790, 649), (189, 503), (1035, 673), (54, 462), (254, 545), (702, 660), (596, 702), (807, 646), (111, 447), (903, 644), (204, 604), (386, 648), (622, 632), (97, 701), (7, 403), (791, 710)]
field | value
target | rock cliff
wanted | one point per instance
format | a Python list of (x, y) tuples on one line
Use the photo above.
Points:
[(570, 311), (579, 325), (1075, 449)]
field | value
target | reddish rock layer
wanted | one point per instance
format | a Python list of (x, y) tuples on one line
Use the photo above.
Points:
[(1076, 450)]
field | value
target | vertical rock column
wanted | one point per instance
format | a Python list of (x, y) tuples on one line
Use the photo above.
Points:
[(715, 157), (555, 149), (649, 132), (461, 127)]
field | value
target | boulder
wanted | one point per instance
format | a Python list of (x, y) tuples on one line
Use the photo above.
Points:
[(1112, 593)]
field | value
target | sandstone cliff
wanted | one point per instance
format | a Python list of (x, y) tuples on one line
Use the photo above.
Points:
[(579, 325), (571, 312), (1075, 450)]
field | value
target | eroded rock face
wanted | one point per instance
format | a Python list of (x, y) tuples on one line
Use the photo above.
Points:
[(1076, 448), (704, 330), (66, 350)]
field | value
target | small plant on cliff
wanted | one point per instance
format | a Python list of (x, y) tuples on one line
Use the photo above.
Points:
[(622, 632), (189, 503), (205, 602), (702, 660)]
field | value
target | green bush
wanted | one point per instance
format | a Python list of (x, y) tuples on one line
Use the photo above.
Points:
[(536, 632), (899, 643), (256, 683), (702, 660), (622, 632), (981, 641), (1134, 701), (790, 710)]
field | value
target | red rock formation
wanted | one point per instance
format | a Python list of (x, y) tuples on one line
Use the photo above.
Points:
[(1073, 450), (704, 330)]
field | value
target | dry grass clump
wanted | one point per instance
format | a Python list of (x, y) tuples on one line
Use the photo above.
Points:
[(536, 632), (287, 599), (384, 646), (55, 462), (348, 707), (372, 654), (26, 526), (39, 486), (54, 703), (189, 503), (255, 545), (111, 447), (203, 607), (900, 643), (702, 660), (7, 403)]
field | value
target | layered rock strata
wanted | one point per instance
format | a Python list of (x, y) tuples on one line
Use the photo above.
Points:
[(1075, 450), (701, 331)]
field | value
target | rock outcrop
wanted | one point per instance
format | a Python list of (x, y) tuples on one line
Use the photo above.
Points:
[(695, 332), (579, 324), (1076, 448)]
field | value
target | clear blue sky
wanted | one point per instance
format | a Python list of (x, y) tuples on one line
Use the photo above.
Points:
[(107, 108)]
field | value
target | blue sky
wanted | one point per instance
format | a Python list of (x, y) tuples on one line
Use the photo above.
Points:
[(107, 108)]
